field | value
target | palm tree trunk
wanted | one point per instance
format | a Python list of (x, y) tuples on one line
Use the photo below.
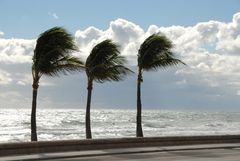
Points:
[(139, 132), (88, 120), (33, 115)]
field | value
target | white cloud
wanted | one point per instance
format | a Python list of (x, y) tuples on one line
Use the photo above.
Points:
[(211, 49), (16, 50), (125, 32), (5, 78), (181, 82), (10, 94), (54, 15), (87, 39), (23, 79), (18, 100), (1, 33), (46, 83), (238, 93), (21, 83), (26, 80)]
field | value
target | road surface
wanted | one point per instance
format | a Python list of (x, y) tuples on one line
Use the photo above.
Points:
[(185, 155), (211, 152)]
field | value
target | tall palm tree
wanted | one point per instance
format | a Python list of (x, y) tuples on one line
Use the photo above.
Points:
[(51, 57), (154, 53), (103, 64)]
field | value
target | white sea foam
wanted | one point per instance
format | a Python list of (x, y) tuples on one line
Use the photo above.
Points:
[(67, 124)]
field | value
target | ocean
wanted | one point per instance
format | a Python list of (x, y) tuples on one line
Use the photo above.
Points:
[(65, 124)]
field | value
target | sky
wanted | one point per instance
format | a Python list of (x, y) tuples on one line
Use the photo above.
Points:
[(206, 36)]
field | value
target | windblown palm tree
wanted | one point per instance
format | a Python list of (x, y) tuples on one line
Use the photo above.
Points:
[(51, 57), (103, 64), (154, 53)]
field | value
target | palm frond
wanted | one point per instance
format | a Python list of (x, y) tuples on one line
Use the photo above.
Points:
[(111, 61), (52, 53), (102, 52), (114, 73), (65, 65), (105, 63), (163, 63), (155, 52)]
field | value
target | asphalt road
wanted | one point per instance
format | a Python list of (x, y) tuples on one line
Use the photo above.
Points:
[(204, 152), (181, 155)]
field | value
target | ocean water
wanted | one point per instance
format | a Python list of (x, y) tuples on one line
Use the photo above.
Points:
[(64, 124)]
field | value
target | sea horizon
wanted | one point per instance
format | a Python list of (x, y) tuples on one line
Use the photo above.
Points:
[(131, 109)]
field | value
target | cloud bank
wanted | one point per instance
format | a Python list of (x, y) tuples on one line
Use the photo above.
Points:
[(210, 49), (16, 51)]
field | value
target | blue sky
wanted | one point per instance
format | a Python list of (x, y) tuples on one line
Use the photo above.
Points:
[(27, 18), (206, 36)]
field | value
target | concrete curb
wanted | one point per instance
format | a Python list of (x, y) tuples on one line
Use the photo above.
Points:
[(99, 144)]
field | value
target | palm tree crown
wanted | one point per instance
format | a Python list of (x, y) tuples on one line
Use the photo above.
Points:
[(51, 54), (156, 52), (105, 63)]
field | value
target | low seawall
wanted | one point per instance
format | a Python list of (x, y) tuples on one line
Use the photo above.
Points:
[(7, 149)]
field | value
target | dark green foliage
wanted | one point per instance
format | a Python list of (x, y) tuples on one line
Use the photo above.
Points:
[(51, 55), (105, 63), (156, 52)]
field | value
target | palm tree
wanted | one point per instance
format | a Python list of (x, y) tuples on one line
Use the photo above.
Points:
[(51, 57), (154, 53), (103, 64)]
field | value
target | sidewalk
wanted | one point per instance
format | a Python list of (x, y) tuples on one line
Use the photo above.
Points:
[(122, 151)]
